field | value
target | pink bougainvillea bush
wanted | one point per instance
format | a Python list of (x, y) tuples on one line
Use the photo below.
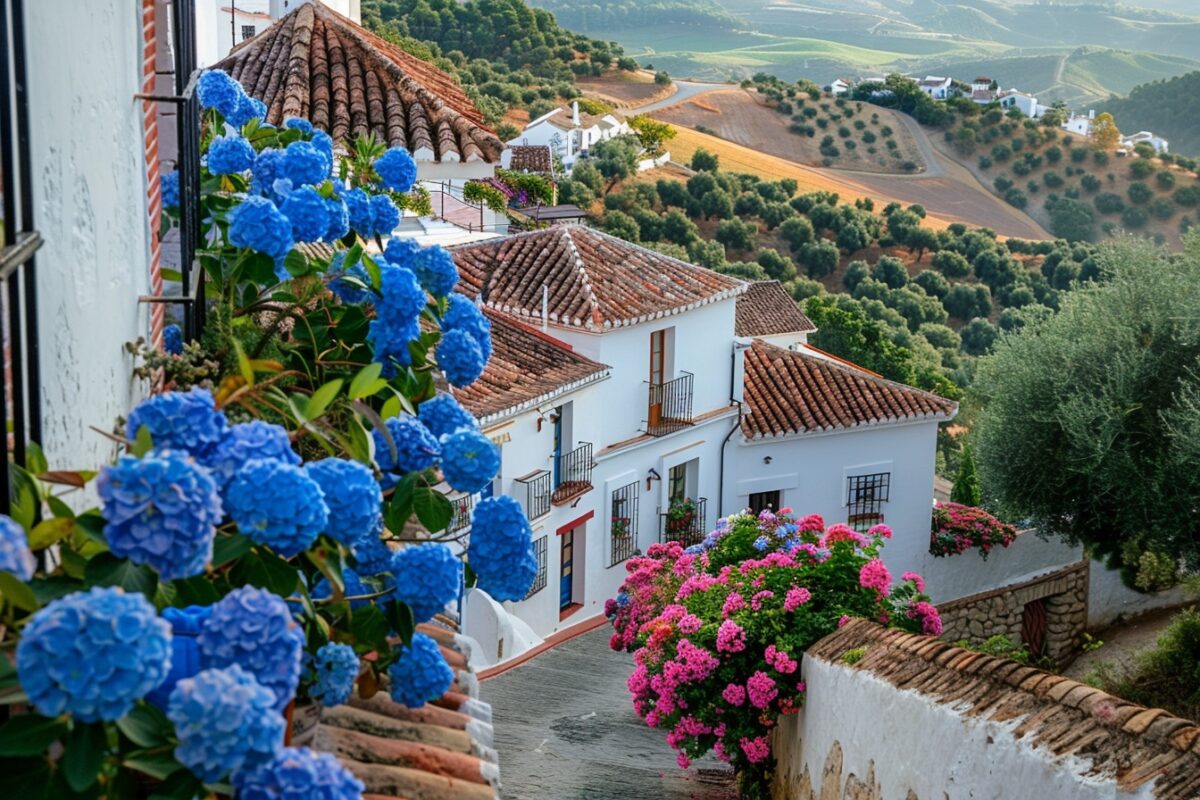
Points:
[(957, 528), (717, 630)]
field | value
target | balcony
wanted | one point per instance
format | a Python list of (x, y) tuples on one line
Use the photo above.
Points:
[(684, 522), (670, 405), (462, 513), (574, 476), (533, 492)]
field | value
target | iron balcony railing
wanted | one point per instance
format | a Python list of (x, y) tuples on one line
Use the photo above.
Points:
[(684, 521), (574, 476), (462, 513), (624, 522), (670, 405), (534, 491)]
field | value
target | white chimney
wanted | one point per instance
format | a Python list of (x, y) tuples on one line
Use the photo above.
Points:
[(575, 113), (1091, 113), (738, 390)]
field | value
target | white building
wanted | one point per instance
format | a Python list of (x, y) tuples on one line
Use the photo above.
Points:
[(1079, 124), (571, 133), (982, 84), (1159, 144), (841, 86), (223, 24), (1026, 103), (935, 86)]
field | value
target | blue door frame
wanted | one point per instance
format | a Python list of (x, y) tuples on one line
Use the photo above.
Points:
[(567, 574)]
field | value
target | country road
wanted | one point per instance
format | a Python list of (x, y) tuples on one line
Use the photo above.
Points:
[(684, 91)]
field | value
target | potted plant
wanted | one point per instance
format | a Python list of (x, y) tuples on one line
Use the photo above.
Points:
[(680, 515)]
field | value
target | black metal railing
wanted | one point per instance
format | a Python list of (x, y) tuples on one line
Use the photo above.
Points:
[(540, 546), (534, 491), (684, 521), (670, 405), (462, 513), (20, 404), (574, 476), (623, 523)]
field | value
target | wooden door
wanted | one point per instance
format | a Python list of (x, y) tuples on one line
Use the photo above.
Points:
[(658, 356), (1033, 627), (567, 575)]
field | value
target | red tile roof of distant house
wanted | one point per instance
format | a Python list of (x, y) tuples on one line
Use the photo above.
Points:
[(535, 158), (591, 280), (792, 392), (315, 63), (766, 309)]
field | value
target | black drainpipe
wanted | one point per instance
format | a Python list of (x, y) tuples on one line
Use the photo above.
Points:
[(728, 436)]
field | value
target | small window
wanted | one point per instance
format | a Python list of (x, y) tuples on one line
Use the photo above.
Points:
[(764, 501), (677, 483), (539, 550), (248, 32), (624, 523), (865, 498)]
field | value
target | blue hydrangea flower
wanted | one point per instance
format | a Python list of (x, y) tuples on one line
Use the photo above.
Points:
[(277, 504), (185, 421), (385, 217), (389, 339), (396, 170), (695, 549), (253, 628), (402, 252), (428, 576), (339, 219), (299, 124), (419, 673), (246, 442), (333, 669), (249, 108), (402, 298), (173, 340), (297, 773), (460, 358), (501, 548), (761, 543), (469, 460), (303, 163), (229, 154), (93, 654), (225, 722), (15, 556), (463, 315), (436, 271), (309, 214), (415, 447), (257, 224), (324, 144), (353, 586), (344, 290), (358, 205), (161, 510), (443, 415), (186, 624), (266, 171), (371, 554), (352, 496), (168, 183), (216, 89)]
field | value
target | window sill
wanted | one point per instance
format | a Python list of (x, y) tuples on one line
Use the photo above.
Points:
[(569, 611)]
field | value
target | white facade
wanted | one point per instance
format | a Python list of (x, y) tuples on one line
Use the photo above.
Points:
[(1026, 103), (840, 86), (1159, 144), (223, 24), (1079, 124), (569, 134), (935, 86)]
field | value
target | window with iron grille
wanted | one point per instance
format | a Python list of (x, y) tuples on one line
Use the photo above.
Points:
[(865, 499), (764, 501), (539, 582), (624, 524), (247, 32)]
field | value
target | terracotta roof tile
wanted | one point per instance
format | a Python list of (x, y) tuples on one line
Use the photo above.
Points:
[(317, 64), (593, 280), (527, 367), (534, 158), (767, 309), (792, 392)]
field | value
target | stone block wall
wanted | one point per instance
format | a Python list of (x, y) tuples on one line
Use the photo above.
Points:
[(1064, 593)]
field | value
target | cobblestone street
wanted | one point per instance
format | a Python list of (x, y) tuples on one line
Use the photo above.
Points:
[(566, 731)]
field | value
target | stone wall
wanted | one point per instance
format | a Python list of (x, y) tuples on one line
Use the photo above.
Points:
[(1064, 594), (915, 718)]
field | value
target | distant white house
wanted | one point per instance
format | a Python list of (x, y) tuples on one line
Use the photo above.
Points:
[(983, 97), (841, 85), (1159, 144), (223, 24), (935, 86), (1079, 124), (1026, 103), (982, 84), (570, 133)]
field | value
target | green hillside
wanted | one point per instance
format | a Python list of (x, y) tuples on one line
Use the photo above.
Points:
[(1170, 108)]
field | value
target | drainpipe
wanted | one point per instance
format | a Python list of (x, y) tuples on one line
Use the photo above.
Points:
[(734, 362)]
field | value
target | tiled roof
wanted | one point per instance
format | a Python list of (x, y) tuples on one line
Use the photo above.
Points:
[(1146, 752), (441, 751), (532, 158), (317, 64), (527, 368), (791, 392), (592, 280), (767, 309)]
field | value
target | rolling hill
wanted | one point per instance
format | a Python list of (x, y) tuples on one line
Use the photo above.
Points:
[(1169, 108)]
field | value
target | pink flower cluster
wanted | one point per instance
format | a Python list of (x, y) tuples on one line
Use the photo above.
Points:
[(931, 621), (780, 661), (756, 749), (761, 689), (759, 598), (957, 528), (796, 597), (875, 575), (731, 637), (916, 579)]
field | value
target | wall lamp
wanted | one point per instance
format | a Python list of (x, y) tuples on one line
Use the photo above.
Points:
[(652, 476), (766, 459)]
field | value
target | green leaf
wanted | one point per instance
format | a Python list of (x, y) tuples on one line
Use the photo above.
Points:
[(469, 576), (92, 525), (264, 569), (49, 531), (35, 459), (160, 765), (17, 593), (227, 548), (296, 263), (52, 588), (322, 398), (391, 407), (85, 750), (142, 442), (60, 509), (29, 735), (24, 497), (182, 785), (369, 626), (372, 271), (366, 378), (108, 570), (400, 616), (25, 778), (146, 726), (195, 591), (433, 509), (247, 371), (352, 256), (401, 506), (358, 441)]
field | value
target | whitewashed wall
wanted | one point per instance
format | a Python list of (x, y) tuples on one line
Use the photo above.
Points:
[(90, 206), (965, 574), (1109, 599)]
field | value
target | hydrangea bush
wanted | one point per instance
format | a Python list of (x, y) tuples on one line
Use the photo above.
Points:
[(956, 528), (717, 630), (276, 515)]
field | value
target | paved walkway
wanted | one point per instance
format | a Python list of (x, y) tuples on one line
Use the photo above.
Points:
[(566, 730)]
